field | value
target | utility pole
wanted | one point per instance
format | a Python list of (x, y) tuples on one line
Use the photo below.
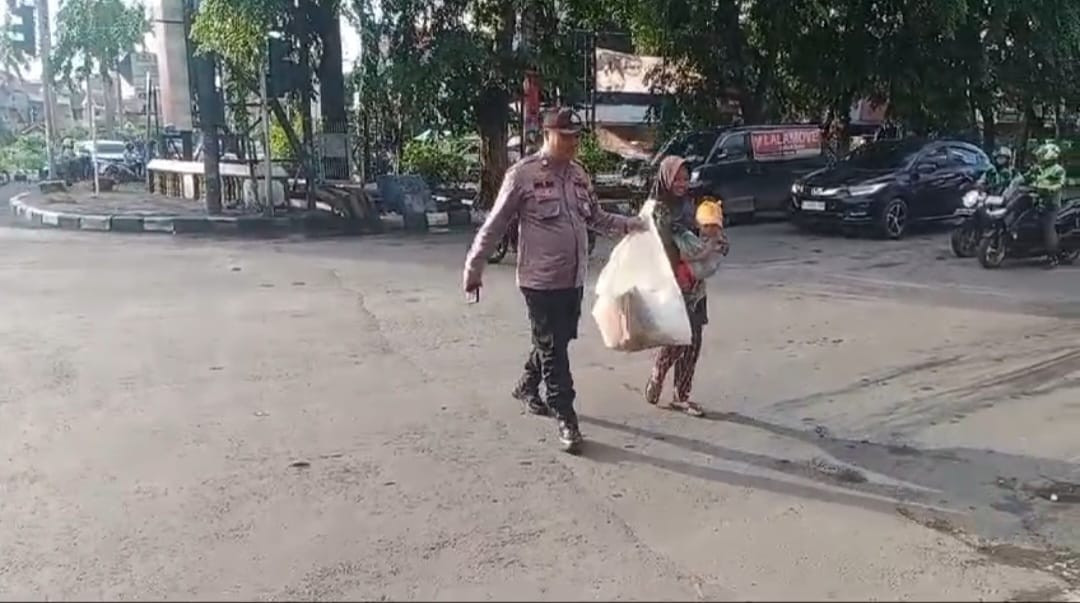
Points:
[(93, 133), (44, 52), (265, 89), (150, 106)]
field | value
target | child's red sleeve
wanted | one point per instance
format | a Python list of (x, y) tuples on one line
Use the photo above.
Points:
[(684, 275)]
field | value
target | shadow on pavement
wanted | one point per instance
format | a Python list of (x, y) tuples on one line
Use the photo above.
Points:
[(993, 495)]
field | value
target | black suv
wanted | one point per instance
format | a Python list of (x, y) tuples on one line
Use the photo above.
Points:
[(732, 164), (888, 185)]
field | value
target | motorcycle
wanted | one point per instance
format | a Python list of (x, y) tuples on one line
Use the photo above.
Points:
[(1013, 230), (117, 171), (966, 236)]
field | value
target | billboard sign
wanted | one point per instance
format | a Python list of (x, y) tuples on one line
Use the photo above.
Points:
[(787, 143), (620, 72)]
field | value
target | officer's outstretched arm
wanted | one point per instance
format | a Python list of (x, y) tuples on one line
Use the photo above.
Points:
[(608, 223), (507, 205)]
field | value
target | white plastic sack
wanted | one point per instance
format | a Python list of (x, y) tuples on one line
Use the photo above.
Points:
[(638, 302)]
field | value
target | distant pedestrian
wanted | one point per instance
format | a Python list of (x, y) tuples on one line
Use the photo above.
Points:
[(551, 195)]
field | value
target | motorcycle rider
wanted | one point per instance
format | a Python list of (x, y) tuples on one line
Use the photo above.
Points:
[(1047, 177), (1001, 173)]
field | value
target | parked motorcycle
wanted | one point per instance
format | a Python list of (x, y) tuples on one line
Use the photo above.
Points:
[(1013, 230), (976, 203), (118, 172)]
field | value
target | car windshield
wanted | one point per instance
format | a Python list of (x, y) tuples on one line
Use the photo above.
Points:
[(692, 147), (884, 155)]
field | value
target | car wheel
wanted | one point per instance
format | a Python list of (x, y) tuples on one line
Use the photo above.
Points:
[(991, 250), (893, 222)]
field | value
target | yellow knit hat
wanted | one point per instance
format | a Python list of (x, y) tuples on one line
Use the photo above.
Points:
[(710, 212)]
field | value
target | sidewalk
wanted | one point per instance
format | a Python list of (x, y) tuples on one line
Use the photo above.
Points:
[(133, 211)]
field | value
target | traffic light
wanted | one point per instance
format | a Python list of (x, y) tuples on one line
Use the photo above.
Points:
[(285, 74), (23, 29)]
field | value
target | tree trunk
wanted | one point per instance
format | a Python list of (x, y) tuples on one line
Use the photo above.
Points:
[(493, 115), (989, 119), (305, 106), (108, 93), (332, 87), (209, 103), (1025, 136)]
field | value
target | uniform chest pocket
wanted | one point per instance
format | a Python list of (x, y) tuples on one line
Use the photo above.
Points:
[(546, 204)]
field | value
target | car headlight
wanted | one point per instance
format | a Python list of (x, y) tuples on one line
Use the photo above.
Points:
[(826, 192), (863, 190), (695, 175), (971, 199), (797, 188)]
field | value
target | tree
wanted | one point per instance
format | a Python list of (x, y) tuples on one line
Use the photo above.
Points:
[(236, 31), (13, 61), (941, 66), (455, 65), (92, 37), (25, 152)]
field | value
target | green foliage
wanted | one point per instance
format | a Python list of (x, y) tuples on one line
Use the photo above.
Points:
[(437, 162), (457, 65), (938, 64), (236, 30), (279, 141), (93, 35), (13, 61), (26, 152), (595, 159)]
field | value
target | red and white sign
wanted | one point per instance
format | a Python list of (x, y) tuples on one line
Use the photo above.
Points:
[(795, 143), (531, 108)]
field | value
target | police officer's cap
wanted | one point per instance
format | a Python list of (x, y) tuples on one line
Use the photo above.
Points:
[(563, 120)]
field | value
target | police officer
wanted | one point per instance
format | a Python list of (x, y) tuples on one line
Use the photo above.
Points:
[(553, 199)]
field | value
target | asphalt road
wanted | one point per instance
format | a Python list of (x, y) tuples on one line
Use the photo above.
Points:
[(279, 419)]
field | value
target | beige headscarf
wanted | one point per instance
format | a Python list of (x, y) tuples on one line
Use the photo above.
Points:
[(665, 177)]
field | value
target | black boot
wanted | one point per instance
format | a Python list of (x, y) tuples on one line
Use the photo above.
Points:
[(570, 436), (533, 404)]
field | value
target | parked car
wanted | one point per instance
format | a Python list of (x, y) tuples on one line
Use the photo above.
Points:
[(889, 185), (751, 168)]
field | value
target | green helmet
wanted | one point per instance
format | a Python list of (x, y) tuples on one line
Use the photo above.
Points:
[(1047, 152)]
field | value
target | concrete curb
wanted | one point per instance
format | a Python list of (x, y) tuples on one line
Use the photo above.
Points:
[(224, 225)]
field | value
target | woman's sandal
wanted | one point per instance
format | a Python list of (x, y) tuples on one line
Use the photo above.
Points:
[(687, 407), (652, 391)]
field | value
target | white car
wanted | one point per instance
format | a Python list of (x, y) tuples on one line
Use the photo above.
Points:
[(108, 151)]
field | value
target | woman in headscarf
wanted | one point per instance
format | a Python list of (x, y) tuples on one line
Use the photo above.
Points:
[(674, 215)]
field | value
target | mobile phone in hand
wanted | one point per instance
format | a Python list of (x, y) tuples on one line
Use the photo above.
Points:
[(472, 297)]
